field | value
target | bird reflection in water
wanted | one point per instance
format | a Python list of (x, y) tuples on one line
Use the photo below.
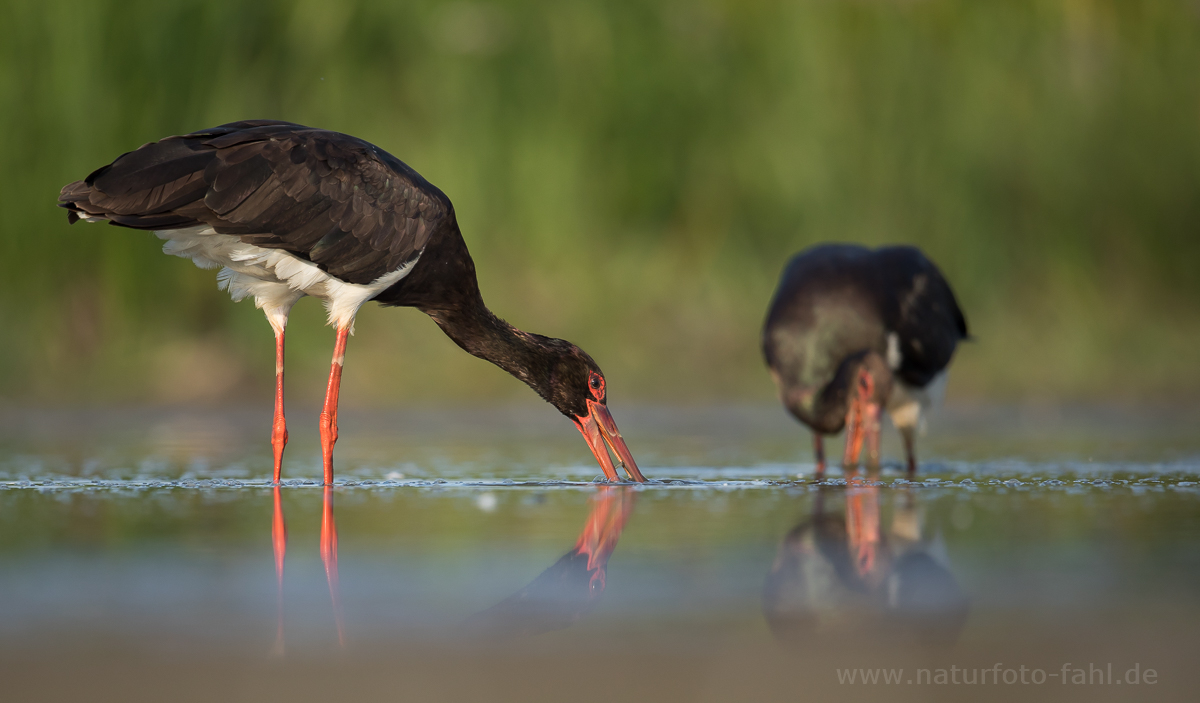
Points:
[(279, 542), (328, 558), (570, 589), (842, 573)]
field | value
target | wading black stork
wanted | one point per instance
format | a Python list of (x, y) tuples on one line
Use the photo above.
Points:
[(852, 331), (287, 211)]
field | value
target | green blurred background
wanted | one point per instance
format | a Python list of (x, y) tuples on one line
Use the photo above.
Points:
[(631, 176)]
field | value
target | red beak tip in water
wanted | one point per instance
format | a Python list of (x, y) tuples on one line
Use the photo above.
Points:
[(601, 434)]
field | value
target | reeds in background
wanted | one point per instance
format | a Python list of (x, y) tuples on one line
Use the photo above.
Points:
[(631, 176)]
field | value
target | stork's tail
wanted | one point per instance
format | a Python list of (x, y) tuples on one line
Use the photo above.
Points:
[(147, 188), (83, 202), (74, 197)]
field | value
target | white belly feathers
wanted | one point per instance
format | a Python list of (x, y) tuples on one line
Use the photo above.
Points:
[(275, 278), (907, 405)]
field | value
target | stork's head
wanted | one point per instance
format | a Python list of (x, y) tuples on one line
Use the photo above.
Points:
[(573, 383)]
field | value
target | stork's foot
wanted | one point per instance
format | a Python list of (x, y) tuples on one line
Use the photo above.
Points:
[(279, 438), (329, 435)]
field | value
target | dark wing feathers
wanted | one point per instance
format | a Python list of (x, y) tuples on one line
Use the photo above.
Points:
[(233, 183), (143, 169), (918, 304), (349, 207), (864, 295), (823, 311)]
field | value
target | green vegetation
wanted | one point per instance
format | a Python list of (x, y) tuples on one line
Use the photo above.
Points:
[(631, 176)]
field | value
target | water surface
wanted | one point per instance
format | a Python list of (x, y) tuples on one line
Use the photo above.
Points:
[(473, 554)]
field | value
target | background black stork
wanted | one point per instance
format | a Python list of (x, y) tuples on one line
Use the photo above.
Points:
[(852, 331), (287, 211)]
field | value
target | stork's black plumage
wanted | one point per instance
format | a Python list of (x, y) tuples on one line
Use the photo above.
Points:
[(851, 330), (288, 211), (346, 205)]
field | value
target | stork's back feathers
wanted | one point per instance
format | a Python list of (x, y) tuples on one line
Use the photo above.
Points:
[(835, 300), (339, 202)]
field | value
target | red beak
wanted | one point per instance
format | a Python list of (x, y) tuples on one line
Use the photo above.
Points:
[(601, 433)]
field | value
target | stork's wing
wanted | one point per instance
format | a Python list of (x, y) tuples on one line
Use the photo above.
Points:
[(922, 309), (346, 205)]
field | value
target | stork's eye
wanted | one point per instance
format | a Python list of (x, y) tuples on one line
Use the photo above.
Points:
[(596, 382)]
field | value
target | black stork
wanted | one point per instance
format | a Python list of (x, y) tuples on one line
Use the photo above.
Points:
[(852, 331), (287, 211)]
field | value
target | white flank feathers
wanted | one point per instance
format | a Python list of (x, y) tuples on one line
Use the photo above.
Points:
[(907, 404), (894, 357), (275, 278)]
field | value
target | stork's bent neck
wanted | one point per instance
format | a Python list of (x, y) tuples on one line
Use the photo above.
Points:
[(479, 332)]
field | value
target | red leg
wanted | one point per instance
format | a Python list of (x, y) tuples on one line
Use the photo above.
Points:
[(910, 450), (819, 451), (279, 433), (329, 427), (329, 557), (279, 541), (871, 429), (854, 420)]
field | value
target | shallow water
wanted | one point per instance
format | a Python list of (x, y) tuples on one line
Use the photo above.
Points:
[(467, 555)]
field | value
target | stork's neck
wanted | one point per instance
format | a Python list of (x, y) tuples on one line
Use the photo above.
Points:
[(443, 285), (834, 400), (481, 333), (825, 409)]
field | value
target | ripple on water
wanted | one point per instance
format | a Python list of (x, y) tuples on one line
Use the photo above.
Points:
[(1132, 478)]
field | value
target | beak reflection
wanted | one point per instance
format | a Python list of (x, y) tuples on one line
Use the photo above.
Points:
[(571, 587)]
